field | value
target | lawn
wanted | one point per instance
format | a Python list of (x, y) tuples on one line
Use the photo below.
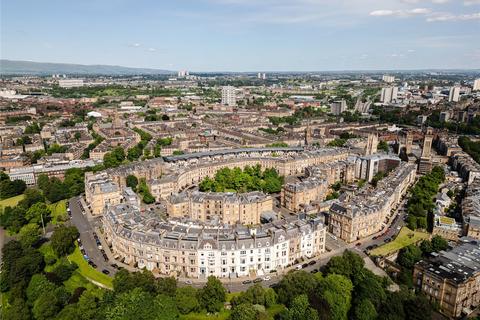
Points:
[(11, 202), (87, 271), (404, 238), (59, 211)]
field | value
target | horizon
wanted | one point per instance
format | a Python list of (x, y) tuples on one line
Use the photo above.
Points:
[(236, 35), (252, 71)]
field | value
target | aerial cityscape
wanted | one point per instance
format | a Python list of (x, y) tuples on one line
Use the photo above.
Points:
[(240, 160)]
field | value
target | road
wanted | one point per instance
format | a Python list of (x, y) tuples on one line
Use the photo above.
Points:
[(86, 236)]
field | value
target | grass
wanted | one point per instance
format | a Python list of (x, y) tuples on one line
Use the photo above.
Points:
[(11, 202), (404, 238), (59, 211), (87, 271)]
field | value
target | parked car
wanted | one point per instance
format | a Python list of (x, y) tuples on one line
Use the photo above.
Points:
[(311, 263), (188, 281), (266, 278), (105, 271), (246, 281), (114, 265), (304, 265), (299, 267), (257, 280)]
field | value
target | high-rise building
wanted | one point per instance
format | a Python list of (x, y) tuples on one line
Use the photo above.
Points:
[(389, 94), (388, 79), (183, 73), (372, 144), (476, 84), (338, 107), (454, 94), (425, 164), (261, 76), (229, 97)]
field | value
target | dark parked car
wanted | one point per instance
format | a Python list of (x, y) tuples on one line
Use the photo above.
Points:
[(91, 263), (257, 280), (105, 271), (311, 263), (246, 281), (304, 265)]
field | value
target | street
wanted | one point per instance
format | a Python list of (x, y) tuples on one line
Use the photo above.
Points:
[(86, 236)]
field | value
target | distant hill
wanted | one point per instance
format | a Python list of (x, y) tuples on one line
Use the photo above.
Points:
[(9, 67)]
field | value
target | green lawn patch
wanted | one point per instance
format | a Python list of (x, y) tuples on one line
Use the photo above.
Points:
[(76, 281), (87, 271), (10, 202), (405, 238), (59, 211)]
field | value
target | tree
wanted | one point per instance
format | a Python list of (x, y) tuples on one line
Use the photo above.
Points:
[(336, 290), (31, 196), (186, 300), (37, 212), (29, 235), (300, 309), (88, 305), (418, 308), (408, 256), (19, 264), (295, 284), (365, 310), (140, 305), (439, 243), (243, 311), (74, 181), (392, 308), (38, 286), (63, 240), (132, 182), (167, 286), (10, 188), (369, 287), (18, 310), (383, 145), (212, 295), (46, 306)]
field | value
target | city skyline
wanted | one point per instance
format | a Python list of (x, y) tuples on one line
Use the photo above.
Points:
[(234, 35)]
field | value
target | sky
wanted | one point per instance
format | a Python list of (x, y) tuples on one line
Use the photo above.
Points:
[(245, 35)]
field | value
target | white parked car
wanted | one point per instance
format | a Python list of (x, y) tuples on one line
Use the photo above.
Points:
[(266, 278), (299, 267)]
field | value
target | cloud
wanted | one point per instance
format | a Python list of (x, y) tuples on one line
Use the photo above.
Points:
[(134, 45), (152, 49), (444, 17), (400, 13), (471, 2)]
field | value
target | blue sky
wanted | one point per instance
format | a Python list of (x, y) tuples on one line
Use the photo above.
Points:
[(245, 35)]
